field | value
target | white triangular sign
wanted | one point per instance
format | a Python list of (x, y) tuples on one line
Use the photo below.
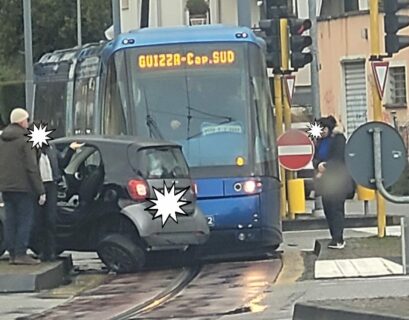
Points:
[(290, 85), (380, 70)]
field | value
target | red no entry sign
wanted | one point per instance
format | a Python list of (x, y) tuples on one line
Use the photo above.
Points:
[(295, 150)]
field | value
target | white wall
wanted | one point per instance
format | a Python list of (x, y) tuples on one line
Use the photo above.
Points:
[(130, 17), (173, 13)]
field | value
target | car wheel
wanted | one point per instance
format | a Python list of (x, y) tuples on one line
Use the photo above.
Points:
[(120, 254), (2, 240)]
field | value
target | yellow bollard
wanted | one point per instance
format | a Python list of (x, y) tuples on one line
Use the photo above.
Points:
[(296, 196), (365, 194)]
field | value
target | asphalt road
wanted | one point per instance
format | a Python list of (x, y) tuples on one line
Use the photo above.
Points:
[(226, 291)]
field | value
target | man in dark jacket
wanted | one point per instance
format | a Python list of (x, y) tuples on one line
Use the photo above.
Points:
[(20, 184), (51, 161), (333, 178)]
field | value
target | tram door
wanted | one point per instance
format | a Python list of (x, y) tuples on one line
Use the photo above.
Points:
[(85, 96), (50, 96)]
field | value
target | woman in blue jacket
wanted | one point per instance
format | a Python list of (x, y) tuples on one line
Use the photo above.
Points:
[(334, 182)]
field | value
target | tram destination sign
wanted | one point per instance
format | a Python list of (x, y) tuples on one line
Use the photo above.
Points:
[(176, 60)]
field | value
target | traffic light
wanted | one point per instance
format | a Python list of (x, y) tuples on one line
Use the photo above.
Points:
[(271, 29), (298, 42), (393, 23)]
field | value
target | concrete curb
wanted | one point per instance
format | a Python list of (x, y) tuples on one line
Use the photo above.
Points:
[(35, 278), (354, 221), (312, 311), (292, 267)]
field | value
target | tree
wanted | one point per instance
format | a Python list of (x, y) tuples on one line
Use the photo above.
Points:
[(54, 25)]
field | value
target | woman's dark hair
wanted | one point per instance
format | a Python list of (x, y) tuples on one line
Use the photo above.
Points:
[(330, 122)]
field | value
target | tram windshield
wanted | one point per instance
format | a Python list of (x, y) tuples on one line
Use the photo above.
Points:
[(198, 95)]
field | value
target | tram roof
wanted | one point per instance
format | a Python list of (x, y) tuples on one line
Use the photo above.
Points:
[(182, 34), (152, 37)]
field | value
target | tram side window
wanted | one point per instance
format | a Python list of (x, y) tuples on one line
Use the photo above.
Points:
[(50, 106), (89, 119), (114, 122), (264, 140), (80, 101), (84, 105)]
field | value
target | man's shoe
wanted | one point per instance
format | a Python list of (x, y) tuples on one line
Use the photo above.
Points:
[(336, 245), (26, 260)]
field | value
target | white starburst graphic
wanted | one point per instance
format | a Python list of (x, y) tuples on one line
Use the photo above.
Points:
[(314, 130), (168, 203), (39, 135)]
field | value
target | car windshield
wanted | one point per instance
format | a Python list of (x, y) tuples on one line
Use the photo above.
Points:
[(162, 163)]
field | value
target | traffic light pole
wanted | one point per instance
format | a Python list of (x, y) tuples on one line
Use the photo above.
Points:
[(286, 102), (285, 67), (377, 104), (28, 55), (278, 102)]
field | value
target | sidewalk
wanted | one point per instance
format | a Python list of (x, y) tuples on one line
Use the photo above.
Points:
[(356, 207), (364, 257), (14, 305), (355, 216)]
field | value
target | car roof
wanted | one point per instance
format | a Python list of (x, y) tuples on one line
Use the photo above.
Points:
[(126, 140), (116, 152)]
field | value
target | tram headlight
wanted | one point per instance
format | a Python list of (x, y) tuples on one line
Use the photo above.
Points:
[(252, 186)]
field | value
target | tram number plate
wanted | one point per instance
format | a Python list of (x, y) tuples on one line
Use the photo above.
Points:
[(210, 221)]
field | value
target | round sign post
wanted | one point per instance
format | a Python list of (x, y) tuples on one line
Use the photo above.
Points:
[(295, 150), (359, 155)]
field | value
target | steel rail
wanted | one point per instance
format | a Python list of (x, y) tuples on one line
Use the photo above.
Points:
[(183, 280)]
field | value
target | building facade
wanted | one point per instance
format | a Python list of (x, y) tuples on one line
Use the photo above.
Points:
[(345, 74)]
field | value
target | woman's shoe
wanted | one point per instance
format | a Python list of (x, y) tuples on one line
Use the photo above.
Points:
[(336, 245)]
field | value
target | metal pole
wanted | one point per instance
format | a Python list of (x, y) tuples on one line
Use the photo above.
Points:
[(244, 12), (404, 227), (286, 102), (315, 83), (279, 130), (377, 105), (116, 17), (79, 31), (28, 49), (284, 66), (377, 146)]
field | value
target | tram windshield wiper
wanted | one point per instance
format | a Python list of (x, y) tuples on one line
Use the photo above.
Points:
[(153, 127), (150, 122)]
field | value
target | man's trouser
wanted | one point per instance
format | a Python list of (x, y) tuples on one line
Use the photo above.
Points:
[(45, 221), (19, 207)]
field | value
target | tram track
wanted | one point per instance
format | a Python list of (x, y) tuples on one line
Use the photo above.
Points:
[(209, 291), (122, 298), (182, 281)]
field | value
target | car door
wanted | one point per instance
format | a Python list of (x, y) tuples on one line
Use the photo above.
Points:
[(82, 179)]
